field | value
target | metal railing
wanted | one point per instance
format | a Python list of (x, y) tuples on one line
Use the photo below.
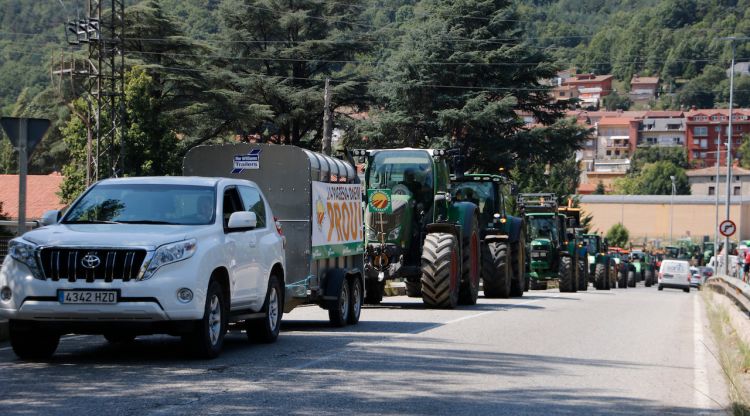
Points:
[(8, 231)]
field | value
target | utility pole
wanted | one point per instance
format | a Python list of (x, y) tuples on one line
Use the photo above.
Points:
[(327, 121), (104, 32)]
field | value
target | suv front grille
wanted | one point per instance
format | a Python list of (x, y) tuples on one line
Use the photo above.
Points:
[(73, 264)]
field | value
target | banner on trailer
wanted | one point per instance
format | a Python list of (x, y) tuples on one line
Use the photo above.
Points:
[(337, 220)]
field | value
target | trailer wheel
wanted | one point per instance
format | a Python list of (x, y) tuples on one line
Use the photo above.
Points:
[(338, 309), (440, 279), (631, 279), (32, 344), (266, 330), (355, 301), (496, 270), (413, 289), (519, 283), (374, 292), (468, 291), (207, 337), (565, 273)]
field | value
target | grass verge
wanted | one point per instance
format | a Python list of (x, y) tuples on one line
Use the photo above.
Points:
[(734, 352)]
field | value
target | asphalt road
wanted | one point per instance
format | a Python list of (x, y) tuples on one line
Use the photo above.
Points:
[(622, 352)]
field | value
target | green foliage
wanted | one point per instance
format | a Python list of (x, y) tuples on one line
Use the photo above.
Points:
[(561, 178), (616, 101), (642, 156), (600, 190), (654, 179), (618, 236), (744, 152)]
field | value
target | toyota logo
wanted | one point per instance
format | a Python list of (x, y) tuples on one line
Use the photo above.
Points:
[(91, 261)]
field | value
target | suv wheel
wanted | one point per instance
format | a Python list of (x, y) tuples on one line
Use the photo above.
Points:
[(207, 337), (32, 344), (266, 329)]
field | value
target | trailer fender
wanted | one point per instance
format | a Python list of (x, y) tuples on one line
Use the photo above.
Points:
[(334, 278)]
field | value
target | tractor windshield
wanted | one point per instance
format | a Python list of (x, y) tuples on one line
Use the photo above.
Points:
[(543, 227), (592, 244), (402, 171), (481, 194)]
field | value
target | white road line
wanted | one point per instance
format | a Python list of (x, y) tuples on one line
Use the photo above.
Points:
[(700, 374)]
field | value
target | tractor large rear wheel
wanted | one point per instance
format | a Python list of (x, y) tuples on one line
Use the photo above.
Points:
[(496, 270), (440, 264), (649, 278), (566, 274), (518, 263), (469, 289), (583, 275), (601, 280)]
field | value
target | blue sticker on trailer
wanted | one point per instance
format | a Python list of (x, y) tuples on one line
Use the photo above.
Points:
[(248, 161)]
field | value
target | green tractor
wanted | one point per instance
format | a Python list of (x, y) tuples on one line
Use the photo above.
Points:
[(415, 231), (503, 242), (643, 266), (573, 223), (552, 255), (602, 268), (708, 252)]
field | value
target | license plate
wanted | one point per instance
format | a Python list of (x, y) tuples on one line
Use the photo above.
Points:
[(106, 297), (668, 276)]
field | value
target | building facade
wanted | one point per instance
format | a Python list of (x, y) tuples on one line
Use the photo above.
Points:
[(703, 181), (707, 131)]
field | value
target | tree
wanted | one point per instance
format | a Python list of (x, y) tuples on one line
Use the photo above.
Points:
[(615, 101), (642, 156), (618, 235), (280, 52), (600, 190), (449, 82), (744, 152), (561, 178), (654, 179)]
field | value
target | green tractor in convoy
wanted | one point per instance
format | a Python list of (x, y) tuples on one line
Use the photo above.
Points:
[(602, 268), (503, 243), (415, 231), (552, 255), (573, 223)]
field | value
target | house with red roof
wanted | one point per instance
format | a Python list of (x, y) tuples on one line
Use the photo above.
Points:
[(41, 195)]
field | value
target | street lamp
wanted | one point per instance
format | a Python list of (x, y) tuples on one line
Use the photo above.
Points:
[(671, 211)]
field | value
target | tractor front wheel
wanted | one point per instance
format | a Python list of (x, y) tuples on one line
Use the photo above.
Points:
[(496, 270), (566, 275), (440, 265)]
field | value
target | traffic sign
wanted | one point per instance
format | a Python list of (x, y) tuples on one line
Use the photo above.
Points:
[(35, 129), (727, 228)]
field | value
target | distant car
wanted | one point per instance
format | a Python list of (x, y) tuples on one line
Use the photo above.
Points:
[(675, 274), (696, 278)]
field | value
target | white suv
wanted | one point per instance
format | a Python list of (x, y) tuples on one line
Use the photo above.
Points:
[(177, 255)]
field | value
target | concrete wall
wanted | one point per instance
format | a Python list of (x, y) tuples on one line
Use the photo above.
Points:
[(649, 216)]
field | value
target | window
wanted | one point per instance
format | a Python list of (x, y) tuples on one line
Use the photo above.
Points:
[(711, 190), (700, 131), (711, 179), (609, 153), (253, 202), (714, 118), (703, 155), (232, 204), (717, 129), (562, 93), (696, 142), (736, 190), (704, 143), (736, 178), (695, 154)]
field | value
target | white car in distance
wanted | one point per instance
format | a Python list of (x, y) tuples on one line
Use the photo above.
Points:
[(185, 256), (675, 274)]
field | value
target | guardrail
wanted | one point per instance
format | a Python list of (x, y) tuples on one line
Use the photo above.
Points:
[(733, 288)]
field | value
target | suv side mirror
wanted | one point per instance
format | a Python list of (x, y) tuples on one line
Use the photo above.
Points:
[(242, 220), (51, 217)]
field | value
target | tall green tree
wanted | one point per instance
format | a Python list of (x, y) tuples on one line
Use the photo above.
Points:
[(280, 52), (458, 78), (654, 179)]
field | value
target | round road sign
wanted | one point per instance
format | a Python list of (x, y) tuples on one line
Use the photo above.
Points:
[(727, 228)]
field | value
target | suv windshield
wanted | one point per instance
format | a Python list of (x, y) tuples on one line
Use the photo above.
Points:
[(145, 204)]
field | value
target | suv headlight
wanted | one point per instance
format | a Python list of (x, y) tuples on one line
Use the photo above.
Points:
[(170, 253), (25, 253)]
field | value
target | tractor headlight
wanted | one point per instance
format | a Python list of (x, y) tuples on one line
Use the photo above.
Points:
[(393, 235)]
